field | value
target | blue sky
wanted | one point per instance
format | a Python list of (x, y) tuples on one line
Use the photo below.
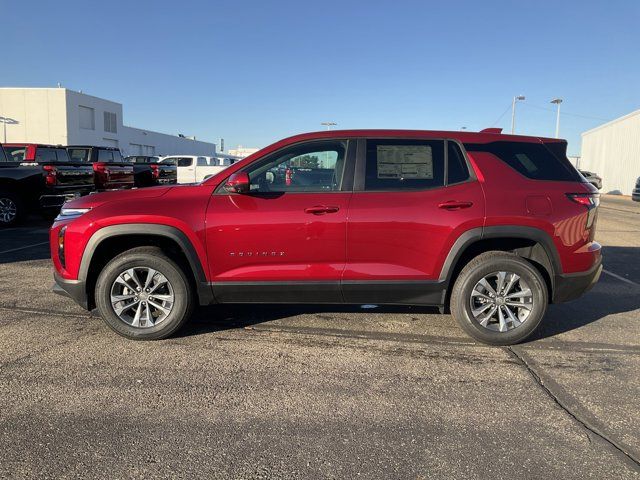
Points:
[(256, 71)]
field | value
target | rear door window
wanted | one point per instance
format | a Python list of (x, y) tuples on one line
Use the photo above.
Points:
[(404, 165), (62, 155), (78, 154), (185, 162), (15, 154), (533, 160), (46, 155), (105, 156)]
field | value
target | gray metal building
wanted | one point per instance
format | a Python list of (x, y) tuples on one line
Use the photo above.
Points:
[(612, 151)]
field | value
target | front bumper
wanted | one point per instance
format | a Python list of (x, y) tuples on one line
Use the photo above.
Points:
[(570, 286), (74, 289)]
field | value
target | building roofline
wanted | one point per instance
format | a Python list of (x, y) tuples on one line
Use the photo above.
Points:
[(612, 122)]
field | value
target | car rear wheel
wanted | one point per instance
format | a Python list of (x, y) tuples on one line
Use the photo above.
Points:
[(143, 295), (11, 209), (499, 298)]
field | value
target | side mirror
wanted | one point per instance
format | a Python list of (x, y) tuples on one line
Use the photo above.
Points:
[(238, 183)]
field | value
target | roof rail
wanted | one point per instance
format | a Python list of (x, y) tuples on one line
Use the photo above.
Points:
[(491, 130)]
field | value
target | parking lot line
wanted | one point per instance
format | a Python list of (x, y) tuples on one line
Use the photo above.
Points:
[(24, 248), (622, 279)]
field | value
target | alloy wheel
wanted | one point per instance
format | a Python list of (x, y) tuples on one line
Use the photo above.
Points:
[(8, 210), (142, 297), (501, 301)]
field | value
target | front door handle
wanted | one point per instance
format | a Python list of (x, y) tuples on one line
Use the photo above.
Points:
[(454, 205), (321, 209)]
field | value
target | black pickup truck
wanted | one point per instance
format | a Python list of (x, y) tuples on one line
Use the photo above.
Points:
[(148, 172), (112, 172), (40, 178)]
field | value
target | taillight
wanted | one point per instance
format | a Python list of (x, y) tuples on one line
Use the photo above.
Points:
[(589, 200), (155, 171), (51, 175)]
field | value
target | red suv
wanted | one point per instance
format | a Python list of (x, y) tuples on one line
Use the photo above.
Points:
[(494, 226)]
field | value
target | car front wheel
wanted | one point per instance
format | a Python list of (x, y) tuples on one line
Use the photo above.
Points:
[(499, 298), (144, 295)]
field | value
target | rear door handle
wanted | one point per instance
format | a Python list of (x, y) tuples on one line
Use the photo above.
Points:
[(321, 209), (454, 205)]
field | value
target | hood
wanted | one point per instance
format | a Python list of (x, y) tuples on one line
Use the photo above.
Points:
[(97, 199)]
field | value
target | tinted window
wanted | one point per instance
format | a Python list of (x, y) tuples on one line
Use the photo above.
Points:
[(78, 154), (46, 155), (62, 154), (458, 170), (117, 156), (15, 154), (404, 164), (314, 167), (3, 157), (533, 160), (105, 156), (202, 162), (185, 162)]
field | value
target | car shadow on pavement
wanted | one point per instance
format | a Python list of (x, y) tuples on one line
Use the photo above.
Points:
[(232, 316)]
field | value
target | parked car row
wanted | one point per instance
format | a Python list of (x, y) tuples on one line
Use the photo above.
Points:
[(41, 178)]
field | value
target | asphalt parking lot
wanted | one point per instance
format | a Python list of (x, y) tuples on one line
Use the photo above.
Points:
[(290, 392)]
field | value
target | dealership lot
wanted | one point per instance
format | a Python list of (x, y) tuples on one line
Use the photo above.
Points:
[(273, 391)]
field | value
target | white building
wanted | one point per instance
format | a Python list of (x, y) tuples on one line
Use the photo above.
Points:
[(60, 116), (242, 152), (612, 151)]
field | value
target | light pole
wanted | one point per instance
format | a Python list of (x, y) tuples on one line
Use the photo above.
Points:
[(513, 112), (328, 124), (557, 101)]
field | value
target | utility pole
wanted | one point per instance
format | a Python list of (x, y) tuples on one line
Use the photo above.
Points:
[(557, 101), (513, 112)]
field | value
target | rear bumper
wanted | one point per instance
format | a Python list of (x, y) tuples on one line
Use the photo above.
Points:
[(635, 195), (57, 199), (74, 289), (570, 286)]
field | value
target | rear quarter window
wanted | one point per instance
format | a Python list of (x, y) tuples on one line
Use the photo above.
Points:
[(536, 161), (78, 154)]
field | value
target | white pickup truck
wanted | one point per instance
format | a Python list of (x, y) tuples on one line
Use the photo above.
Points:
[(195, 168)]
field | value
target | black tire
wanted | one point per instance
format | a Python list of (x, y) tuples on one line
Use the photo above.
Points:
[(482, 266), (146, 257), (12, 198)]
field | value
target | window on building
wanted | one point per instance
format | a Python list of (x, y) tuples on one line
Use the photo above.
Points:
[(404, 164), (110, 122), (87, 118)]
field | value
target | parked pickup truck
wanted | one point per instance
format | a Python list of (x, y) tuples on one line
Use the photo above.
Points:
[(194, 168), (148, 172), (38, 178), (112, 172)]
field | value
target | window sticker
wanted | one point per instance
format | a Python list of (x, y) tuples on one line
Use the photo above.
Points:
[(405, 162)]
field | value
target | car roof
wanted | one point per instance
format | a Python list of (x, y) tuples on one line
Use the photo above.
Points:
[(40, 145), (485, 136), (92, 146)]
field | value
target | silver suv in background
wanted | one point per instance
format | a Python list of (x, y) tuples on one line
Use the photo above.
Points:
[(593, 178)]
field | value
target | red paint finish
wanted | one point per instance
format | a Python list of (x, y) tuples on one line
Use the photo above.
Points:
[(407, 235), (294, 236)]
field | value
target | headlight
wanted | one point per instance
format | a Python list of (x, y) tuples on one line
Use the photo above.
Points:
[(71, 213)]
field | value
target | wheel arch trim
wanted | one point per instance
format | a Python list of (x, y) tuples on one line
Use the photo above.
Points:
[(468, 238), (156, 230)]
